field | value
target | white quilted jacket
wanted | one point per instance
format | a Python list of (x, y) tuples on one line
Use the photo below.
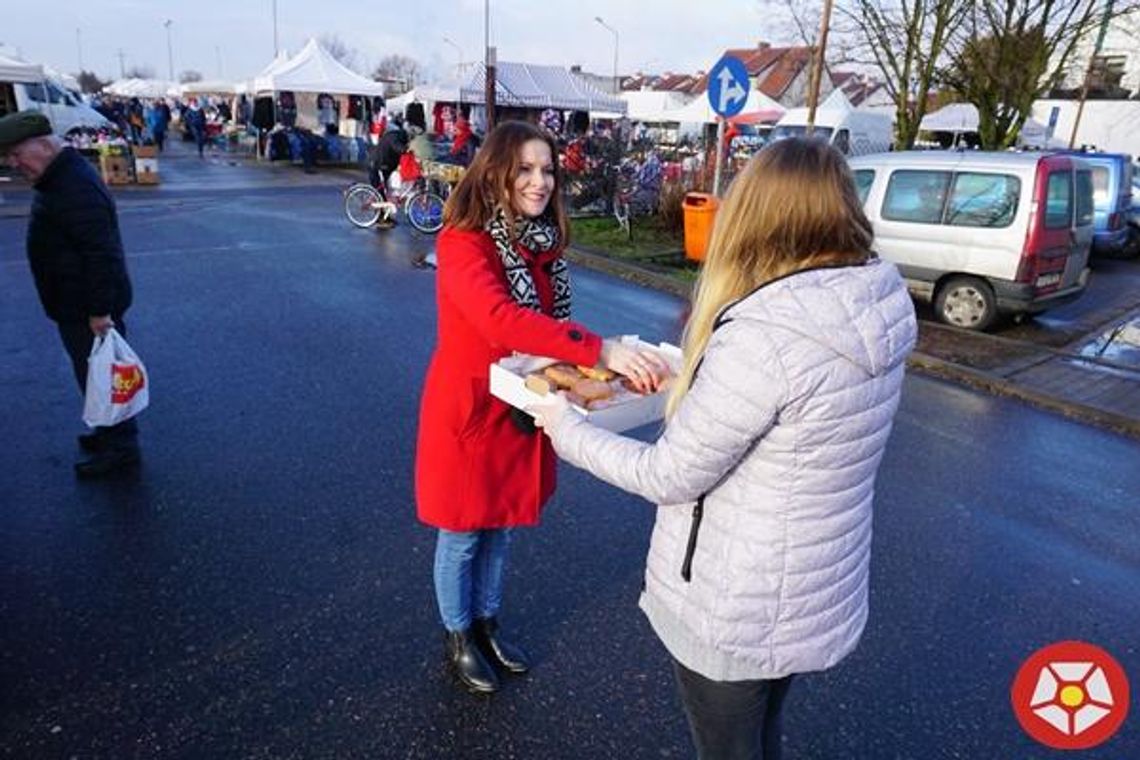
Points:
[(782, 431)]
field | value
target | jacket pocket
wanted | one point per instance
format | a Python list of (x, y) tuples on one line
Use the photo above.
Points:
[(691, 545), (479, 396)]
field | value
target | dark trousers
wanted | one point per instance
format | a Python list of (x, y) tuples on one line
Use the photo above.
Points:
[(733, 720), (77, 341)]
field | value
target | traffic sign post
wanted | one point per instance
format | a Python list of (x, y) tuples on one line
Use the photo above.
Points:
[(728, 92)]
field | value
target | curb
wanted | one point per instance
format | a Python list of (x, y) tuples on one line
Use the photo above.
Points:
[(932, 366), (924, 364)]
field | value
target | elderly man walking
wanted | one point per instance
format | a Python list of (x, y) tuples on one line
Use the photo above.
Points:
[(76, 256)]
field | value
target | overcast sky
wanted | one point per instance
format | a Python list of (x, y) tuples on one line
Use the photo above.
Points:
[(233, 39)]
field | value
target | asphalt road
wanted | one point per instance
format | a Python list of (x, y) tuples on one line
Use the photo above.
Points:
[(260, 588)]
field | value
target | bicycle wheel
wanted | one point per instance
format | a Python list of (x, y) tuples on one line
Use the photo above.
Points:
[(425, 211), (362, 205)]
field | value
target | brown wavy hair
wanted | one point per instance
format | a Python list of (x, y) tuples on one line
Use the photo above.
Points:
[(489, 181), (793, 206)]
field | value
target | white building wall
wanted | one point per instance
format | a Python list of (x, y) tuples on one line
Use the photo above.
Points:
[(1122, 38), (1112, 126)]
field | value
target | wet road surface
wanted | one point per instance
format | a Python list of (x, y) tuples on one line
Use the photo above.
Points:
[(260, 587)]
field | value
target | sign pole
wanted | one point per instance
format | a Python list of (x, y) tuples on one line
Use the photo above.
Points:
[(719, 157), (817, 67)]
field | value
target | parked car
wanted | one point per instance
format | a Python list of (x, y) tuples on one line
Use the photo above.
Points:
[(1112, 177), (1134, 214), (978, 234)]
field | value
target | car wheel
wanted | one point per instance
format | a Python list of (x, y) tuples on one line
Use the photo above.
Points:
[(966, 302)]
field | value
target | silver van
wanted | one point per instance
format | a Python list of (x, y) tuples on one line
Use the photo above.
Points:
[(980, 233)]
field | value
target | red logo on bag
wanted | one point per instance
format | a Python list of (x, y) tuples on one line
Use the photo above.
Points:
[(1070, 695), (126, 381)]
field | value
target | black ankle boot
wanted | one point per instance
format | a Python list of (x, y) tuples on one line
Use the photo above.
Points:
[(469, 664), (507, 656)]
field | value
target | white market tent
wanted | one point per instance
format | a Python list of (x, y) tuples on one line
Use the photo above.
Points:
[(314, 69), (700, 110), (528, 85), (653, 105), (15, 70), (425, 93), (956, 117), (140, 88), (207, 87)]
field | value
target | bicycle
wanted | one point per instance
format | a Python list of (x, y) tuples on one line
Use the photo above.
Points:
[(636, 194), (366, 205)]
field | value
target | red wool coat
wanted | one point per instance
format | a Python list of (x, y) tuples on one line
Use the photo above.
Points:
[(474, 468)]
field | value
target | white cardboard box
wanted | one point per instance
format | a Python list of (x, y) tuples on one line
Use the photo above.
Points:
[(508, 378)]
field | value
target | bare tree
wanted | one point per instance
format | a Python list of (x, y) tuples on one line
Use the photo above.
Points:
[(89, 82), (907, 41), (404, 72), (190, 75), (139, 72), (1009, 53), (340, 50)]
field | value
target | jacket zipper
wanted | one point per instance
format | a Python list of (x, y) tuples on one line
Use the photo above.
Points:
[(691, 547)]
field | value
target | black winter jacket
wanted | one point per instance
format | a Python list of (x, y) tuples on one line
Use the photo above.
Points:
[(74, 247)]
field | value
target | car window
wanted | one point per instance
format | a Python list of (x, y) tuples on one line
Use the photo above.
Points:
[(1100, 186), (36, 92), (864, 178), (1059, 200), (983, 200), (1084, 197), (842, 141), (916, 196)]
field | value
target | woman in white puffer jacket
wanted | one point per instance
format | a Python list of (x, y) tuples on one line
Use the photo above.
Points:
[(793, 363)]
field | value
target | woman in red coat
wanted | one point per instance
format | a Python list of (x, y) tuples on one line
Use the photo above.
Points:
[(480, 467)]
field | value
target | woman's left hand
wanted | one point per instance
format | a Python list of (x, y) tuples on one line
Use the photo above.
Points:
[(550, 411)]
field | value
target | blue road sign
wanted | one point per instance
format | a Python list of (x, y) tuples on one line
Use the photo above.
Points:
[(728, 86)]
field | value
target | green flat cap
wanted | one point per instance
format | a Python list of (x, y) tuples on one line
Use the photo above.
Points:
[(19, 126)]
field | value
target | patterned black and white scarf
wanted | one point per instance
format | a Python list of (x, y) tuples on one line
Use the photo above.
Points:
[(538, 236)]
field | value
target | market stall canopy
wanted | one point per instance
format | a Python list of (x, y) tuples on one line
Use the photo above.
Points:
[(759, 107), (314, 69), (207, 87), (425, 93), (956, 117), (141, 88), (653, 105), (528, 85), (15, 70)]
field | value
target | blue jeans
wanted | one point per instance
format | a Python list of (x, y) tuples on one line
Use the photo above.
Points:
[(469, 575)]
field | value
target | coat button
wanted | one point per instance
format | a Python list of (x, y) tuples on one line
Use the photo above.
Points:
[(575, 335)]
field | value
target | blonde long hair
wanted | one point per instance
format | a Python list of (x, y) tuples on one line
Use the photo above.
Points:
[(794, 206)]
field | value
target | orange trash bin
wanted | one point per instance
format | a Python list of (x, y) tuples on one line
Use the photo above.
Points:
[(699, 213)]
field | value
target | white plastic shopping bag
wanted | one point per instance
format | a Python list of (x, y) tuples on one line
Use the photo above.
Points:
[(117, 386)]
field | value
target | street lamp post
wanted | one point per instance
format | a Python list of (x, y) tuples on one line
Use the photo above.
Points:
[(275, 29), (617, 85), (169, 48), (459, 52)]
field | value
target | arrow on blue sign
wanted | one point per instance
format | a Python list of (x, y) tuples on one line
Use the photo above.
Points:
[(728, 86)]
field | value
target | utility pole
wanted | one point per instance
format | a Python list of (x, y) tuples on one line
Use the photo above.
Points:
[(275, 48), (122, 64), (1088, 72), (817, 67), (489, 56), (169, 48)]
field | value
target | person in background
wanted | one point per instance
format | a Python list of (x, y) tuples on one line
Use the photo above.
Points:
[(481, 469), (196, 123), (420, 145), (793, 363), (76, 257), (158, 118), (386, 155), (464, 144)]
